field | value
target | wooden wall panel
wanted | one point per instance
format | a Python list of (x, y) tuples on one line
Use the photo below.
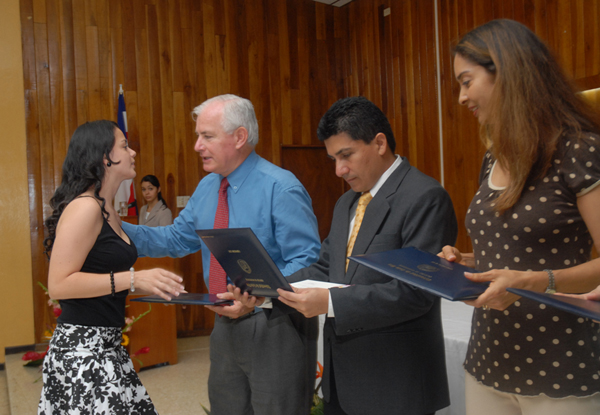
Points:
[(291, 58), (391, 60), (169, 56)]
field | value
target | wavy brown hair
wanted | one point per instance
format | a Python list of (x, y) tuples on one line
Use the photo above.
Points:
[(533, 103)]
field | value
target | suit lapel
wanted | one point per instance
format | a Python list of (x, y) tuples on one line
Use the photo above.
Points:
[(154, 211), (339, 236), (375, 215)]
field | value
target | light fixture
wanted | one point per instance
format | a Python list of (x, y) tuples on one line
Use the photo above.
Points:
[(336, 3)]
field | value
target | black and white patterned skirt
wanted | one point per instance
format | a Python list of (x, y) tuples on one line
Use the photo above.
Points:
[(87, 371)]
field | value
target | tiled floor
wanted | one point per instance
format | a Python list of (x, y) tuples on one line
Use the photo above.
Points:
[(175, 390)]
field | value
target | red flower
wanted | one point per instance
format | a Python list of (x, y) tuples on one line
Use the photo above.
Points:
[(33, 356), (320, 370), (143, 350), (57, 311)]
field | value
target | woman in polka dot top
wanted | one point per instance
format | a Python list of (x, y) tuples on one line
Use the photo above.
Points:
[(532, 224)]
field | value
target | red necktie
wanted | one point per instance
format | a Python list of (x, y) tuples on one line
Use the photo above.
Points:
[(217, 280)]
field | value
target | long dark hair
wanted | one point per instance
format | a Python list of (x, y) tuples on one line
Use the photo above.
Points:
[(153, 180), (83, 168), (533, 103)]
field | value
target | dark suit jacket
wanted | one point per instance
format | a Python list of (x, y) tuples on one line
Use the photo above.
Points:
[(385, 342)]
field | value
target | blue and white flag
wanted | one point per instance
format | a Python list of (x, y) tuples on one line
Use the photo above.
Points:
[(126, 192)]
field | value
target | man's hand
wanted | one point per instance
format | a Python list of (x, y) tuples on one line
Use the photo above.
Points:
[(234, 311), (309, 301), (238, 308), (234, 293), (452, 254)]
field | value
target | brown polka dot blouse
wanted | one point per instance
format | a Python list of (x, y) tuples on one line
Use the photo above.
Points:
[(531, 349)]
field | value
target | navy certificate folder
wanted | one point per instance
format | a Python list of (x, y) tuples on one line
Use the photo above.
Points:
[(578, 306), (245, 260), (426, 271), (185, 298)]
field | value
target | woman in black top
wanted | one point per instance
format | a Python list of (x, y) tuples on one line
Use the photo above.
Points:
[(86, 369)]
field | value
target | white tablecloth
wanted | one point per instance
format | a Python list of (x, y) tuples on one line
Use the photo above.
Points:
[(456, 319)]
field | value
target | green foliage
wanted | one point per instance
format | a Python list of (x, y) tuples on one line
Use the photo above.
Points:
[(317, 408)]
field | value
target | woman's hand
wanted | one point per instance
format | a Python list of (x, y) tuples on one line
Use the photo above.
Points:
[(593, 295), (160, 282), (452, 254), (496, 295)]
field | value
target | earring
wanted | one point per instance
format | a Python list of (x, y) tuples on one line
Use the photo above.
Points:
[(108, 164)]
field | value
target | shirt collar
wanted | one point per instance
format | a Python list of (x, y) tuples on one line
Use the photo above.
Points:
[(237, 177), (386, 175)]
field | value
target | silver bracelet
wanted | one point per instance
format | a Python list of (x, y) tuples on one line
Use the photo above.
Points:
[(132, 273), (551, 288)]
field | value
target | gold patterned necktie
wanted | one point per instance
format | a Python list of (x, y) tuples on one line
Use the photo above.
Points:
[(360, 213)]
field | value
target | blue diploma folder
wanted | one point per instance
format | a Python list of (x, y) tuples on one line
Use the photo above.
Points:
[(245, 260), (578, 306), (426, 271), (185, 298)]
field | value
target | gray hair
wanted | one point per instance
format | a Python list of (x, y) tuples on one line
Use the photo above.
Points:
[(237, 112)]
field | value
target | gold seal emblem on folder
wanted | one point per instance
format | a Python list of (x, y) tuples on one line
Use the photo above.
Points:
[(244, 266), (427, 268)]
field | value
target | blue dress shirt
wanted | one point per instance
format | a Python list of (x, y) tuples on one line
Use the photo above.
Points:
[(261, 196)]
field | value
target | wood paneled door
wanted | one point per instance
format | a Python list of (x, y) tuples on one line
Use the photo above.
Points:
[(316, 171)]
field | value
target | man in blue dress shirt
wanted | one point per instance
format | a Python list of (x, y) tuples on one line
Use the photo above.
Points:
[(257, 367)]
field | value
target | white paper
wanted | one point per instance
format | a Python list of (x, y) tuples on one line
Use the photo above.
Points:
[(315, 284)]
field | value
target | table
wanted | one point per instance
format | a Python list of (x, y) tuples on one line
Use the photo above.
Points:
[(456, 320)]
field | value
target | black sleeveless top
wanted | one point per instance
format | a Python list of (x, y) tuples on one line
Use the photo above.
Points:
[(109, 253)]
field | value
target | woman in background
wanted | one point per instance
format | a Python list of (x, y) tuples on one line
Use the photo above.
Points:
[(86, 370), (155, 212), (532, 225)]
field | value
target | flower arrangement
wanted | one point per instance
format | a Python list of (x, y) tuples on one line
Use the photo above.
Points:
[(36, 359), (317, 408), (128, 323)]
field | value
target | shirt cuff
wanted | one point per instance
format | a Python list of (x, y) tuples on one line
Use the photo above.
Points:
[(330, 312), (268, 303)]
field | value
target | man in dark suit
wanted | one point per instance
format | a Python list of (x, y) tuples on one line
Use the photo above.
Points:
[(383, 341)]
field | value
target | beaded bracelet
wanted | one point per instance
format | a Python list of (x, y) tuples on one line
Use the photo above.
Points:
[(112, 284), (132, 273)]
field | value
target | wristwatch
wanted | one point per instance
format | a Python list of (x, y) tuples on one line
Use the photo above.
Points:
[(551, 288)]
